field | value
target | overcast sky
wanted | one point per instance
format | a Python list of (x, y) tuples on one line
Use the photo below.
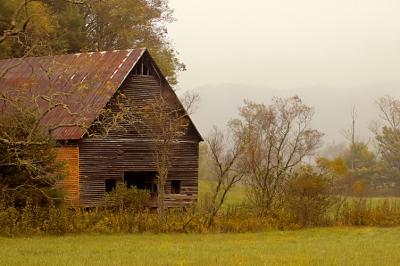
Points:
[(332, 53)]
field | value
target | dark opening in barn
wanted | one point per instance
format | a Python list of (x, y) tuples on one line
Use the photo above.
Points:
[(175, 186), (110, 185), (142, 180)]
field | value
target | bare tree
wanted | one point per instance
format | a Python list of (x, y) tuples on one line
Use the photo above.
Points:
[(225, 151), (350, 135), (278, 138), (389, 114), (387, 134), (165, 121)]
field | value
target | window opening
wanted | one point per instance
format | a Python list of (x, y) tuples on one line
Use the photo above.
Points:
[(175, 186), (141, 180), (110, 185)]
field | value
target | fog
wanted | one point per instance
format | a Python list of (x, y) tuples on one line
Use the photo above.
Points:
[(333, 54)]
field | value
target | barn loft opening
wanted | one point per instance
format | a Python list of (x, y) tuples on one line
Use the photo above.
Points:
[(145, 68), (142, 180)]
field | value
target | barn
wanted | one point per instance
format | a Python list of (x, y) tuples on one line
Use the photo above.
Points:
[(89, 82)]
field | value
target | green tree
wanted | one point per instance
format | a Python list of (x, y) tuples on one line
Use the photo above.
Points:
[(357, 167), (44, 27), (29, 171), (365, 161), (26, 28)]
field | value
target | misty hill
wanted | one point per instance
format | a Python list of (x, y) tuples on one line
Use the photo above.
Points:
[(333, 106)]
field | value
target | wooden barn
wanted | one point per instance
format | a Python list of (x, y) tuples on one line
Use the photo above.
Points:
[(97, 164)]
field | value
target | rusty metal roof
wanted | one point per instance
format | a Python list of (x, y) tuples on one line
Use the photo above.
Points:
[(85, 82)]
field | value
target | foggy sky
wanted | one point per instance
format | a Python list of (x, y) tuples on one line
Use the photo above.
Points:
[(334, 54)]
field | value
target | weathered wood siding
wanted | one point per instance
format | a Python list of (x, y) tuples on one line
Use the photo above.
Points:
[(119, 152), (70, 156)]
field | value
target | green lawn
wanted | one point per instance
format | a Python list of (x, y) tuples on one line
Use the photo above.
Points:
[(326, 246)]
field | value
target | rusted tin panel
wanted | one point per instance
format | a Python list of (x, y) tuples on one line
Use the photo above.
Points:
[(88, 81)]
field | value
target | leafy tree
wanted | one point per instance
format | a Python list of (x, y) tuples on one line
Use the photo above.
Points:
[(366, 164), (338, 171), (29, 171), (44, 27), (27, 27), (357, 169)]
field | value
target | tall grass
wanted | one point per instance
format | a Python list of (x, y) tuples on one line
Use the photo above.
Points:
[(33, 220)]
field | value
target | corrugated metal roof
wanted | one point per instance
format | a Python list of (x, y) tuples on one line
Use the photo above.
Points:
[(85, 82)]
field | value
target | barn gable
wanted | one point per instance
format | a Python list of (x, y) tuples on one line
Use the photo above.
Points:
[(87, 80)]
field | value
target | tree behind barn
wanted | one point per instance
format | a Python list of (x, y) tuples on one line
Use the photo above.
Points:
[(42, 27)]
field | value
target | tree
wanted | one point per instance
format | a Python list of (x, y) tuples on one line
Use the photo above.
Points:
[(361, 161), (166, 122), (27, 28), (338, 171), (278, 138), (44, 27), (350, 135), (225, 151), (28, 165), (357, 167), (388, 136)]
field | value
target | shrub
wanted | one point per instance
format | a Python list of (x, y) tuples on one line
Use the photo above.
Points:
[(308, 198), (125, 198)]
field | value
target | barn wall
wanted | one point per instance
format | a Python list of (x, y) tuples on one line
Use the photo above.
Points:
[(101, 160), (130, 150), (70, 156)]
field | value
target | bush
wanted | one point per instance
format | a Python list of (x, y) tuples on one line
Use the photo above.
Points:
[(125, 198), (308, 198)]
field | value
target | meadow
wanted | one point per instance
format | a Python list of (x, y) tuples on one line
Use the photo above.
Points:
[(318, 246), (96, 245), (236, 196)]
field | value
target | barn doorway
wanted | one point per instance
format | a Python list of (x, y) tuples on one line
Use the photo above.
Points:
[(142, 180)]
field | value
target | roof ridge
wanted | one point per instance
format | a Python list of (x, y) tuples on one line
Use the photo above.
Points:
[(76, 54)]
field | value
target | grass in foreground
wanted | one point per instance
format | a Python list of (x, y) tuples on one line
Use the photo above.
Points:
[(326, 246)]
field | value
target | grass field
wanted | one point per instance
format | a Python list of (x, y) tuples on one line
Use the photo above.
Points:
[(322, 246), (235, 196), (238, 194)]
